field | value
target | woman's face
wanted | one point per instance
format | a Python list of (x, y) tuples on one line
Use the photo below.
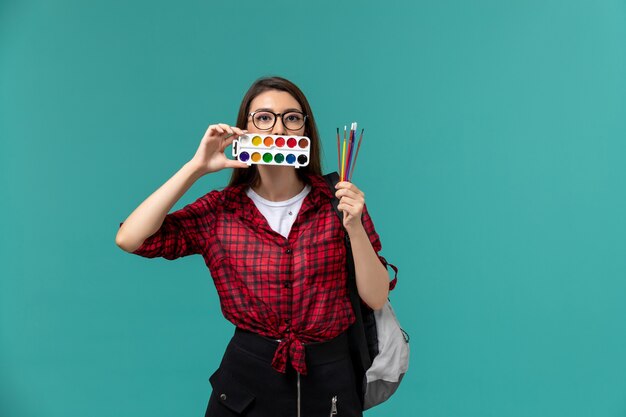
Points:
[(279, 102)]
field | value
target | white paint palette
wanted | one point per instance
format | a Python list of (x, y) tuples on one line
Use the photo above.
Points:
[(284, 150)]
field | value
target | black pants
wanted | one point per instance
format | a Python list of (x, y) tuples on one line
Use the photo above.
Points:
[(245, 384)]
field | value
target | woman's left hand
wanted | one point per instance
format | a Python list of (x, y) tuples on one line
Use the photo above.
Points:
[(351, 202)]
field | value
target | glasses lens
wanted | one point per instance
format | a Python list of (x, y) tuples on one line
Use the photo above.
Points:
[(263, 120), (293, 120)]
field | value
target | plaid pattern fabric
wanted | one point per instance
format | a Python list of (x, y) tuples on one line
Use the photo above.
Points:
[(289, 289)]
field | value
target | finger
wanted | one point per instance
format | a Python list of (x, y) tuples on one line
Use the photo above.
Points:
[(345, 185), (227, 141), (355, 189), (226, 127), (351, 202), (352, 187), (346, 208), (215, 129), (238, 131), (348, 193), (236, 164), (345, 193), (356, 208), (342, 206)]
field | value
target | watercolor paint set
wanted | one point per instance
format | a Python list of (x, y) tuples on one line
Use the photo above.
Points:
[(285, 150)]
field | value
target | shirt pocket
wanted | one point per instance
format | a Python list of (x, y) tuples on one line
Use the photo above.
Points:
[(325, 259)]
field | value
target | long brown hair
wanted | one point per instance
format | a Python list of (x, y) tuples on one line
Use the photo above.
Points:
[(251, 175)]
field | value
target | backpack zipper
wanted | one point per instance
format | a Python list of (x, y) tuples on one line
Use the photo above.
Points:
[(298, 394), (333, 406)]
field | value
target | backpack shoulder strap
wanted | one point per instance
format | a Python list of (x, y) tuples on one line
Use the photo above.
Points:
[(394, 281), (332, 179), (356, 333)]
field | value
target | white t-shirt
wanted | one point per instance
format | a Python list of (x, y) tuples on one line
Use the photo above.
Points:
[(279, 214)]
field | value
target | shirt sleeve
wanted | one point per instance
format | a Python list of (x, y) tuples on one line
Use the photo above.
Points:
[(368, 225), (182, 231)]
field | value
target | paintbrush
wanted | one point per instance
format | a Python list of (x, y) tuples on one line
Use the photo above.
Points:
[(338, 150), (350, 150), (356, 154), (343, 153)]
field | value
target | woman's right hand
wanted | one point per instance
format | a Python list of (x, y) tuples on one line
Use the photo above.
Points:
[(210, 156)]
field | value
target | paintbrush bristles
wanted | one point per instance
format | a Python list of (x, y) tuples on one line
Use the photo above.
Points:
[(348, 154)]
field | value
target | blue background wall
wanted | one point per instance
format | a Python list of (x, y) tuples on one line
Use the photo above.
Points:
[(493, 163)]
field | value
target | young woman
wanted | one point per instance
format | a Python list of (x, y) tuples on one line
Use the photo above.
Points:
[(275, 249)]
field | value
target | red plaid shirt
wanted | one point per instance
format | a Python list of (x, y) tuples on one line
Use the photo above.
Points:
[(289, 289)]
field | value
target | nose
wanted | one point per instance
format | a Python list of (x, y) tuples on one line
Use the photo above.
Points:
[(279, 128)]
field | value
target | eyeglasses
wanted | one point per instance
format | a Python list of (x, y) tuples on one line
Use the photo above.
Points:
[(265, 119)]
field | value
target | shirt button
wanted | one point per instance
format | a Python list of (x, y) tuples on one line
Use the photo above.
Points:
[(288, 251), (287, 284), (223, 397)]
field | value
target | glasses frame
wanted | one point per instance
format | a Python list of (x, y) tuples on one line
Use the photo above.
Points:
[(282, 115)]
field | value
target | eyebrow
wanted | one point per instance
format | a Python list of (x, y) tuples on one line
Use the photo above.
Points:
[(285, 111)]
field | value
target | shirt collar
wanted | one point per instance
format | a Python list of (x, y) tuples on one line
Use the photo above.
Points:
[(235, 198)]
